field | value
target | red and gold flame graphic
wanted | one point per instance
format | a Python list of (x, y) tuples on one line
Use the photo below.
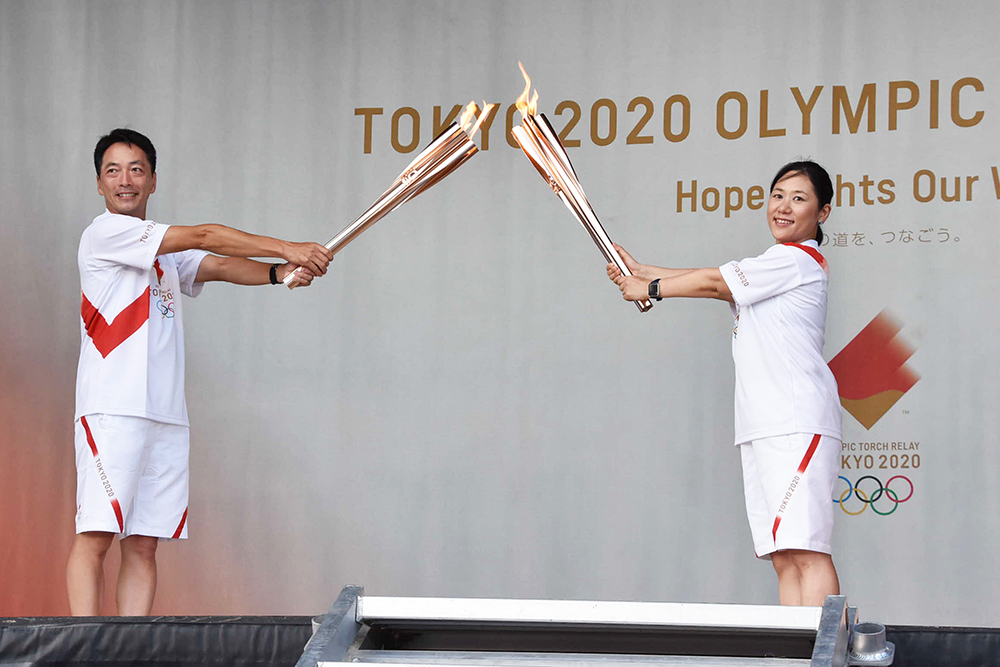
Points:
[(871, 370)]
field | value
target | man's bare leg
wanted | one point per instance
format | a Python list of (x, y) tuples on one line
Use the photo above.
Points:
[(85, 572), (137, 576)]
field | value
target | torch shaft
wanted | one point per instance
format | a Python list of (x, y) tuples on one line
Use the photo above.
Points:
[(375, 213), (399, 195), (550, 159), (447, 152)]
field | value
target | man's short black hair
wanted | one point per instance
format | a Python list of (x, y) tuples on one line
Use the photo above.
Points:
[(128, 137)]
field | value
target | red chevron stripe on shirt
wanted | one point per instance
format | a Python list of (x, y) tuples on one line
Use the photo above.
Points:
[(106, 336)]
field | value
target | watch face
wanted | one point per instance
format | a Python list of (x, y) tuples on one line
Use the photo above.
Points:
[(654, 289)]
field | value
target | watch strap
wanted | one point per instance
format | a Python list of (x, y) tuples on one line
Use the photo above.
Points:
[(653, 291)]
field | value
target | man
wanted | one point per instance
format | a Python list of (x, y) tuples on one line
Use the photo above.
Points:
[(131, 417)]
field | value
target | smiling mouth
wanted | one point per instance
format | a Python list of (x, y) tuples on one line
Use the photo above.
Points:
[(783, 222)]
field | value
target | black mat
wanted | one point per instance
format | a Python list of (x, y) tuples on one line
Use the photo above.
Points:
[(279, 640), (164, 640)]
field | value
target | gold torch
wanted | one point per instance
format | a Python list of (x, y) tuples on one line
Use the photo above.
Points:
[(442, 156), (541, 144)]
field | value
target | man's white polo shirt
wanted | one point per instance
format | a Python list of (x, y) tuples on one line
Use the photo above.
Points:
[(132, 338)]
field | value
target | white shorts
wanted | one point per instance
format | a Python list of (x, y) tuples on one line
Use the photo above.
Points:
[(131, 476), (788, 482)]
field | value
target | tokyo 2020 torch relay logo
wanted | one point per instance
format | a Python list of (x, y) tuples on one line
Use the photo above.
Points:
[(871, 371), (872, 376)]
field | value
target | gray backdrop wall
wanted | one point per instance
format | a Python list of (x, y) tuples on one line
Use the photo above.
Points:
[(464, 406)]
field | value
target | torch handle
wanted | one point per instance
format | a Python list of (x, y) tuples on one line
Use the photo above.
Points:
[(607, 249), (374, 213)]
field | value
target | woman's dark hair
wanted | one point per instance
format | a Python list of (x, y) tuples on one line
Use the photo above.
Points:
[(817, 176), (128, 137)]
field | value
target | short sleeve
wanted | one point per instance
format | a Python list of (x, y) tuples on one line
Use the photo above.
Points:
[(122, 239), (757, 278), (188, 262)]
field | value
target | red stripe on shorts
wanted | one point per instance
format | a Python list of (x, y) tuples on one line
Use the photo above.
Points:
[(809, 454), (180, 526), (802, 468), (118, 514), (90, 436), (93, 449)]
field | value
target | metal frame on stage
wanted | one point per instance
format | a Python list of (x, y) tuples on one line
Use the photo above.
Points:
[(437, 631)]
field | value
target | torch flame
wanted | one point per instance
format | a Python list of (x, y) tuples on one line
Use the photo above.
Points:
[(470, 112), (467, 115), (527, 106), (482, 117)]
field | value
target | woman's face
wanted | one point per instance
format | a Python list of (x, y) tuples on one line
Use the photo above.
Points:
[(793, 212)]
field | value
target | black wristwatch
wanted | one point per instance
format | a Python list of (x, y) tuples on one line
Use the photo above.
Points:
[(654, 290)]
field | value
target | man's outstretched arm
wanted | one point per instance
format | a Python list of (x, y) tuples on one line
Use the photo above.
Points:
[(241, 271), (231, 242)]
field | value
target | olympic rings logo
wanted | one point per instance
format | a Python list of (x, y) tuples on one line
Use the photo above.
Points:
[(874, 496), (166, 309)]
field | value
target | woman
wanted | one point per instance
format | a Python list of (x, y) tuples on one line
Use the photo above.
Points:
[(787, 405)]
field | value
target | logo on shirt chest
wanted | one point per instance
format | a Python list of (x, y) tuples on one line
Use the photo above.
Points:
[(162, 295)]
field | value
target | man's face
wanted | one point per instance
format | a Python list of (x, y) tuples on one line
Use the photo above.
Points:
[(126, 180)]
